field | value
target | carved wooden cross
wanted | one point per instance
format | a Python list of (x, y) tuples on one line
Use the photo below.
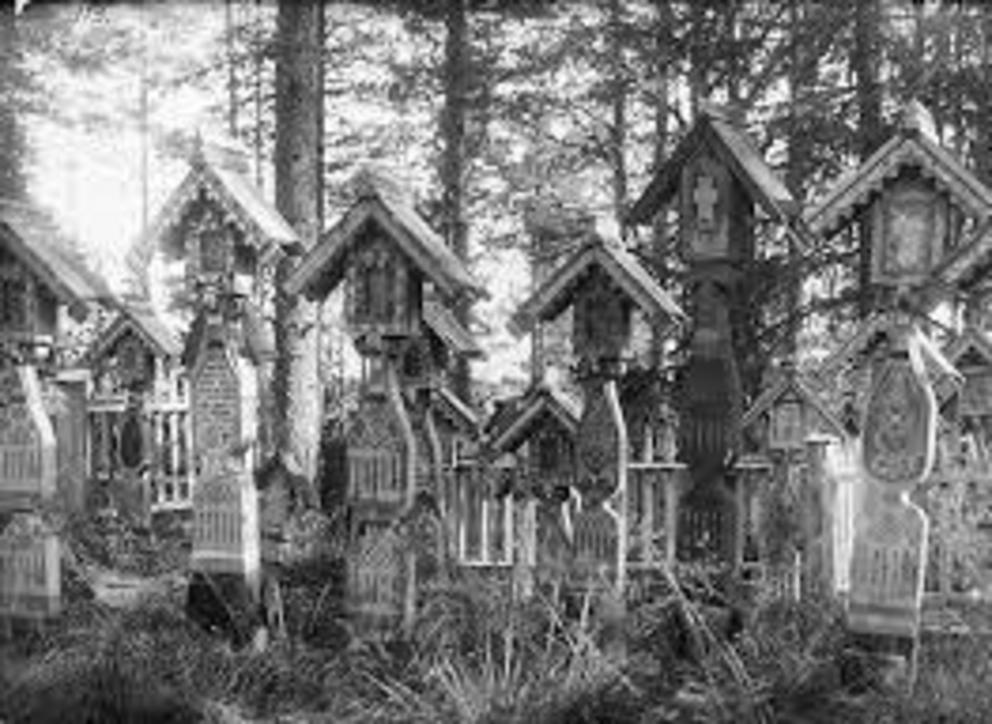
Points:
[(705, 197)]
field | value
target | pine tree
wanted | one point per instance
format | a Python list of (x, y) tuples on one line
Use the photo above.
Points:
[(299, 197)]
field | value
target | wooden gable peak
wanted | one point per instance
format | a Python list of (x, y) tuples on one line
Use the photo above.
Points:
[(720, 130), (557, 293), (218, 171), (383, 202), (792, 384), (913, 145)]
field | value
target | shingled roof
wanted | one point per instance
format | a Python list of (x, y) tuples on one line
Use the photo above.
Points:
[(970, 262), (883, 323), (624, 270), (717, 129), (971, 339), (381, 201), (514, 423), (35, 238), (443, 323), (792, 384), (913, 145), (139, 317), (221, 176)]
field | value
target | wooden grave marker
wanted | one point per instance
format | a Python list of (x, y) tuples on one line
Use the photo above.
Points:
[(889, 554), (28, 456), (30, 569)]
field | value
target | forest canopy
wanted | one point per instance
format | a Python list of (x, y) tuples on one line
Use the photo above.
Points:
[(549, 105)]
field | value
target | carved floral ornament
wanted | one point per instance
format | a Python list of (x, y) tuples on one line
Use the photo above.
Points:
[(900, 418)]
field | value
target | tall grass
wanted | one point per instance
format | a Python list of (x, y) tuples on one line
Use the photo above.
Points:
[(477, 656)]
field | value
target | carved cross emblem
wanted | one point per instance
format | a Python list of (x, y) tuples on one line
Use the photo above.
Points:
[(705, 197)]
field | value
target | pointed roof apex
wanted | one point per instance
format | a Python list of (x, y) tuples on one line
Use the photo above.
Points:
[(728, 113), (220, 151), (915, 117), (721, 130), (376, 179)]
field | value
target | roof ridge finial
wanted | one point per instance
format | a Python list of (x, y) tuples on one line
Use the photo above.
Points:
[(917, 117), (727, 112), (197, 152)]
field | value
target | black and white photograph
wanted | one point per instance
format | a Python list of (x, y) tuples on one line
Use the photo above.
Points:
[(495, 361)]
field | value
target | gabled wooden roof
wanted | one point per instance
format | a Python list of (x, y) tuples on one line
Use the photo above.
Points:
[(457, 411), (792, 384), (442, 322), (222, 180), (715, 129), (970, 262), (140, 318), (970, 339), (35, 239), (913, 145), (937, 364), (557, 293), (515, 423), (382, 202)]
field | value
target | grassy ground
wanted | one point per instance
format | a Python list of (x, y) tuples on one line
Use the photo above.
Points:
[(476, 657)]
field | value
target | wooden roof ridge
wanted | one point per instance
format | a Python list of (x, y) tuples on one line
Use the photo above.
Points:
[(912, 145), (971, 337), (383, 201), (792, 381), (139, 316), (224, 182), (726, 135), (884, 322), (458, 410), (442, 321), (539, 398), (876, 323), (35, 238), (965, 263), (553, 296)]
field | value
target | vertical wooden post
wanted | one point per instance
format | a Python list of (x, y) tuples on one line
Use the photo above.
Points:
[(818, 501), (673, 486)]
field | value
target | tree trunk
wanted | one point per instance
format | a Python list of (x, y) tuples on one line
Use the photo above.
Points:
[(659, 234), (698, 81), (13, 141), (983, 135), (864, 60), (618, 121), (453, 124), (299, 197), (795, 175)]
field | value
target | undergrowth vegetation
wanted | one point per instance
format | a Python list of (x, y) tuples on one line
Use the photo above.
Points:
[(477, 656)]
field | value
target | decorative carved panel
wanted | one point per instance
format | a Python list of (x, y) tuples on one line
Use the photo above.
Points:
[(376, 454), (787, 425), (598, 446), (30, 569), (602, 319), (910, 224), (384, 290), (376, 585), (887, 569), (216, 393), (900, 425), (706, 190), (597, 536), (28, 465), (226, 535)]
